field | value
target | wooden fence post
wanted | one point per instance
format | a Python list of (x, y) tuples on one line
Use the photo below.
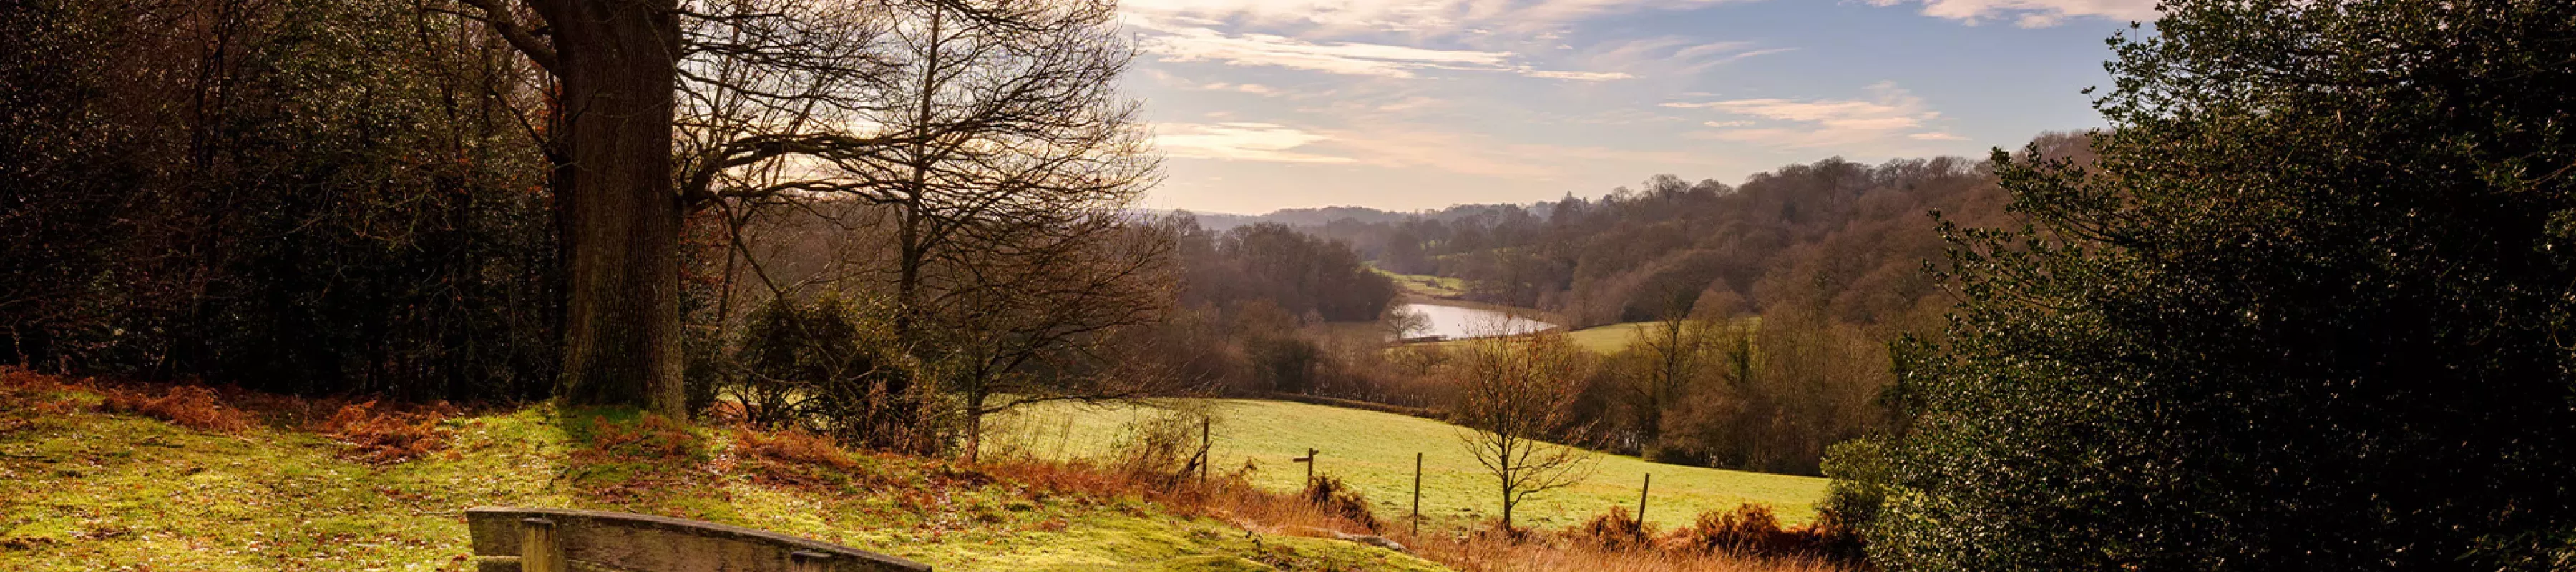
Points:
[(1417, 493), (537, 549), (1207, 450), (1309, 460), (1641, 500)]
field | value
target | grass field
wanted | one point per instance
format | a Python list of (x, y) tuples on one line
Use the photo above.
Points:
[(82, 490), (1596, 339), (1374, 452), (1606, 339), (1427, 285)]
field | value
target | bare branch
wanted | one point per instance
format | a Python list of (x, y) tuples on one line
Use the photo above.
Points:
[(504, 22)]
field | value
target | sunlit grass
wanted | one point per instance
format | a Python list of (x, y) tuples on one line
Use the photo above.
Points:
[(1427, 285), (81, 491), (1374, 452)]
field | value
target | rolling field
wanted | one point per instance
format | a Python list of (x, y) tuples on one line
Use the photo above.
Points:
[(1604, 339), (1427, 285), (1374, 452), (83, 491), (1596, 339)]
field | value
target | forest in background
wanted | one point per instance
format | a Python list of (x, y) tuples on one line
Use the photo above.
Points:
[(1765, 309)]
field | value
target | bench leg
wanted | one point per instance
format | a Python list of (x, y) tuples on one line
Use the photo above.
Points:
[(537, 549), (809, 561)]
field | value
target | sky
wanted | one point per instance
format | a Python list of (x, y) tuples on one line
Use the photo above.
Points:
[(1259, 105)]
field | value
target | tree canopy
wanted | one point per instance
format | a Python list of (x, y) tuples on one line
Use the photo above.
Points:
[(2308, 309)]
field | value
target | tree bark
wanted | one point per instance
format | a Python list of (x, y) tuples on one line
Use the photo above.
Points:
[(618, 65)]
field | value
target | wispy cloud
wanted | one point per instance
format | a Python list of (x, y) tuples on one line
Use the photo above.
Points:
[(1190, 44), (1186, 44), (1577, 76), (1670, 55), (1251, 88), (1421, 146), (2031, 13), (1241, 142), (1801, 123), (1435, 17)]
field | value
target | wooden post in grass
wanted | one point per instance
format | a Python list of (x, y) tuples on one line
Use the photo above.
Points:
[(1309, 460), (1641, 500), (1417, 493), (1207, 454), (537, 549)]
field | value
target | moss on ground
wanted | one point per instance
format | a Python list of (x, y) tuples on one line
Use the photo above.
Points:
[(84, 491)]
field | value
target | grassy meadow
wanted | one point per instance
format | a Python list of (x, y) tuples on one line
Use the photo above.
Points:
[(1606, 339), (1427, 285), (82, 490), (1597, 339), (1374, 452)]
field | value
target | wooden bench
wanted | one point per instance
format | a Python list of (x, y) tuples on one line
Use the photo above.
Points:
[(563, 540)]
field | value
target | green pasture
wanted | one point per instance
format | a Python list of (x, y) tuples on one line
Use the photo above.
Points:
[(82, 491), (1427, 285), (1375, 452)]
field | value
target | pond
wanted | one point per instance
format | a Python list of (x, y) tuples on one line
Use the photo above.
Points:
[(1454, 322)]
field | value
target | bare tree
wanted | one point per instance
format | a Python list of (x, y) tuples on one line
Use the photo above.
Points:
[(1034, 141), (771, 100), (1037, 319), (1666, 359), (1514, 393), (989, 152), (1401, 322)]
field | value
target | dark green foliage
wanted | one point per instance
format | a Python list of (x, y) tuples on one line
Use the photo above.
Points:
[(1860, 482), (2309, 309), (818, 365), (301, 196), (66, 174)]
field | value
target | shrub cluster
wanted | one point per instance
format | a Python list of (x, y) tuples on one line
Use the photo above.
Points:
[(1615, 529), (384, 435), (186, 405), (1341, 500), (1746, 531)]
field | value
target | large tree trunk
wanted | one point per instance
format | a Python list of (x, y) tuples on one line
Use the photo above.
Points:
[(621, 215)]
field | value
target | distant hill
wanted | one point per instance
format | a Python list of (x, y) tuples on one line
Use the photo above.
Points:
[(1327, 216)]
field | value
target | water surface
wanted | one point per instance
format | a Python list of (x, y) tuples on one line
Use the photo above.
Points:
[(1454, 322)]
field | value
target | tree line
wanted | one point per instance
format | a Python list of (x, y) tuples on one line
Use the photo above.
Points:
[(474, 201), (1760, 311)]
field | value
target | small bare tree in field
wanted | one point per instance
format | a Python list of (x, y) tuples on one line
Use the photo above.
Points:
[(1663, 365), (1514, 393)]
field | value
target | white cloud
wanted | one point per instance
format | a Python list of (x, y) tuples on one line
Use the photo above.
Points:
[(2031, 13), (1191, 44), (1409, 104), (1578, 76), (1201, 44), (1251, 88), (1892, 113), (1668, 56), (1437, 17), (1240, 142)]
